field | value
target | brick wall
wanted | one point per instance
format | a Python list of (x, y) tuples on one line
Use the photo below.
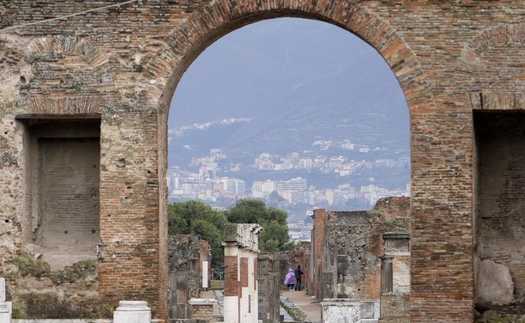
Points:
[(123, 63)]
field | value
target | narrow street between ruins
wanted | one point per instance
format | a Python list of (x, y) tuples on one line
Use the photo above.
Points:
[(306, 304), (296, 299)]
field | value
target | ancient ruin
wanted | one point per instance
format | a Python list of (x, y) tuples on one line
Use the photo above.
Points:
[(189, 273), (94, 79), (360, 259)]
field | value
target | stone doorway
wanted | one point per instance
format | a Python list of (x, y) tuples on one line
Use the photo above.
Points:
[(499, 207)]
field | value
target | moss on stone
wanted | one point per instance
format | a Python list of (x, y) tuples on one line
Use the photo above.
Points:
[(29, 266), (230, 232), (73, 273), (495, 317), (33, 267), (16, 313), (50, 306)]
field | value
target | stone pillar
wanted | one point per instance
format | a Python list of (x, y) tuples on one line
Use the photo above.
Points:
[(231, 282), (395, 278), (132, 312), (202, 309), (5, 312), (241, 246), (2, 290), (269, 283), (320, 217), (6, 308)]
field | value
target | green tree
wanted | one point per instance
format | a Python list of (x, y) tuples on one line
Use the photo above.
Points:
[(195, 217), (275, 236)]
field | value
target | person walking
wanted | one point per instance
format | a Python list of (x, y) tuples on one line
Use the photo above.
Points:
[(298, 274), (289, 280)]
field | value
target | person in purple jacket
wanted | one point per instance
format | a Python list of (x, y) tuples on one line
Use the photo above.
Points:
[(290, 279)]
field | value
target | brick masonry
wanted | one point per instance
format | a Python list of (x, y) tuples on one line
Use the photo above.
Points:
[(123, 63)]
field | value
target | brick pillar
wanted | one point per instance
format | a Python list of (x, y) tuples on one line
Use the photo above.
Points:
[(231, 282), (240, 285)]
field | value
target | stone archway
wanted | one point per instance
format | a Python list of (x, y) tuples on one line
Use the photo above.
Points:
[(202, 28), (431, 47)]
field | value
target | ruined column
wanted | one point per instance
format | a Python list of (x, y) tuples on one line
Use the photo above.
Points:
[(320, 218), (241, 247)]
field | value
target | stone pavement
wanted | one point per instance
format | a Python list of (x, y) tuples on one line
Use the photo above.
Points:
[(306, 304)]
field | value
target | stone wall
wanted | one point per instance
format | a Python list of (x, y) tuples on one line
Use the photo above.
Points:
[(364, 253), (345, 256), (186, 254), (122, 64), (269, 286), (395, 307), (351, 246)]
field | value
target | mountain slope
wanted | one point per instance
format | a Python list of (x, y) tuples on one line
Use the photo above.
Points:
[(299, 81)]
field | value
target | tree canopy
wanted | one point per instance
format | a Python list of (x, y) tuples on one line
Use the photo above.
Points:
[(195, 217), (274, 237)]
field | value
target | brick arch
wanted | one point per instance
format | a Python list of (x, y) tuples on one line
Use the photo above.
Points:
[(215, 20), (60, 46), (495, 51), (501, 35), (188, 40)]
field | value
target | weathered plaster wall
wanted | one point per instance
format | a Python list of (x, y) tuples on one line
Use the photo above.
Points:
[(123, 63)]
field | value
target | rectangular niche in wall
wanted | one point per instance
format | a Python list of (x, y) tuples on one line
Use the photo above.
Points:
[(499, 186), (63, 176)]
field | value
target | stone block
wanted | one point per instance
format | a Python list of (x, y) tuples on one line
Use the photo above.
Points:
[(370, 310), (6, 309), (494, 283), (2, 290), (340, 311), (132, 312)]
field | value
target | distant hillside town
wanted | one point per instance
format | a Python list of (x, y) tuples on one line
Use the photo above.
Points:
[(208, 184)]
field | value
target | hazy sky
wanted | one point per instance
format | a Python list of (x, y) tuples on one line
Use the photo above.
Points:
[(242, 72)]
